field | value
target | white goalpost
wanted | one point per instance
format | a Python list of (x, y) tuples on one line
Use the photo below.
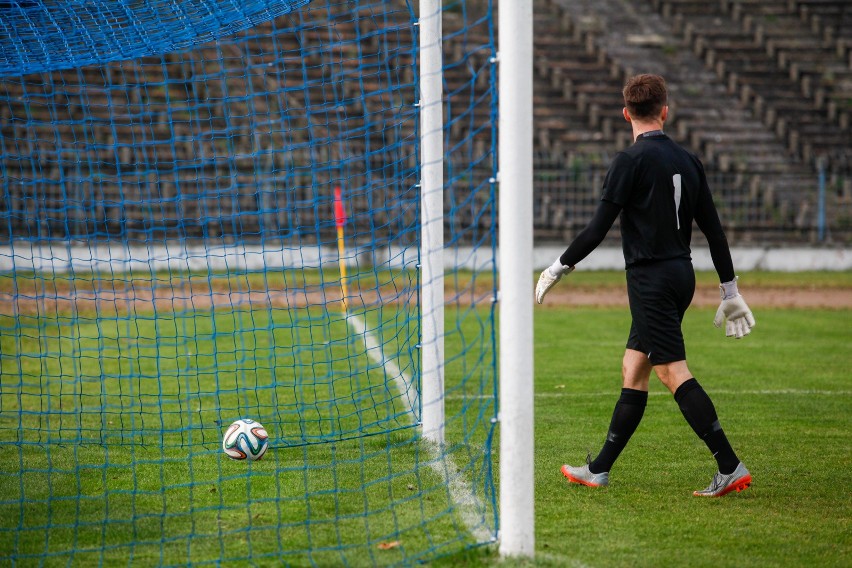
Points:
[(431, 222), (517, 519), (515, 143)]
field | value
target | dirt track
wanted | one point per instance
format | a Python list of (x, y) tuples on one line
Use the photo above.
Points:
[(132, 300), (832, 298)]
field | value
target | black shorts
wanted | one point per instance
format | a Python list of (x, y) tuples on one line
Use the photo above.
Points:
[(659, 294)]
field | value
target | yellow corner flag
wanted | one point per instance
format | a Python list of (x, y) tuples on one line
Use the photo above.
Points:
[(340, 221)]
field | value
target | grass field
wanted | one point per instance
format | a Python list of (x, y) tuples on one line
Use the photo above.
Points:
[(111, 418), (783, 394)]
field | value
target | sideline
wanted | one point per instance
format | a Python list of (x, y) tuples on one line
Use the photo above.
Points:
[(467, 502), (764, 392)]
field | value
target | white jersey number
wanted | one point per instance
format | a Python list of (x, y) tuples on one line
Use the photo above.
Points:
[(677, 191)]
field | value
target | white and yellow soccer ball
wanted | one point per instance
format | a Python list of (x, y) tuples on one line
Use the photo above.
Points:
[(245, 439)]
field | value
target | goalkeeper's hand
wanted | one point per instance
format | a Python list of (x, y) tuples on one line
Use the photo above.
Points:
[(734, 311), (550, 276)]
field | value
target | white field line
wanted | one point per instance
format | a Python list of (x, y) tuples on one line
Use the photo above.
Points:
[(796, 392), (466, 500), (401, 381)]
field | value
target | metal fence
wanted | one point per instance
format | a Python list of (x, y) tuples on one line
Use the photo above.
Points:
[(754, 208)]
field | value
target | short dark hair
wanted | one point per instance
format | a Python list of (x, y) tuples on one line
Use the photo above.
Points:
[(645, 96)]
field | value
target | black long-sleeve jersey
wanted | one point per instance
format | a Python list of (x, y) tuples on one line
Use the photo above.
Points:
[(659, 188)]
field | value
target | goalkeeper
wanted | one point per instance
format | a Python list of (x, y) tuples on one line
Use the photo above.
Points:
[(658, 188)]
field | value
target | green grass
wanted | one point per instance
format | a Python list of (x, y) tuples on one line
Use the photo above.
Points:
[(783, 395), (189, 370), (113, 425), (784, 398)]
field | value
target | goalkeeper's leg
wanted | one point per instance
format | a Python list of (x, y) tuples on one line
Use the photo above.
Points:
[(698, 409), (629, 409)]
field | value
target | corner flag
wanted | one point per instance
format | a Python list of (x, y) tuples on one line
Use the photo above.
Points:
[(340, 221)]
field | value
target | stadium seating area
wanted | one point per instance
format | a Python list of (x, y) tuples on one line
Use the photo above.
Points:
[(761, 90), (225, 141)]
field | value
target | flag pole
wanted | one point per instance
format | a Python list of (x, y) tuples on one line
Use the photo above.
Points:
[(340, 221)]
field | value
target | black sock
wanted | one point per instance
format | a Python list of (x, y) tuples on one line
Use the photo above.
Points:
[(700, 413), (625, 418)]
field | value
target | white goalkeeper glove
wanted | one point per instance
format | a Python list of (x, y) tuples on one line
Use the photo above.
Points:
[(550, 276), (734, 311)]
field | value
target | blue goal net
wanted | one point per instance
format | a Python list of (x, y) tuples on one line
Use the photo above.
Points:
[(210, 211)]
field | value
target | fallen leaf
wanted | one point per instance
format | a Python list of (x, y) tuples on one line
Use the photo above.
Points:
[(389, 545)]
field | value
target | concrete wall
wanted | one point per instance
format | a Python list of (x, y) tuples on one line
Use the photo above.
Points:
[(745, 259), (62, 257)]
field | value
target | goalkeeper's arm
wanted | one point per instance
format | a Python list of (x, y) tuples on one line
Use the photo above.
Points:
[(733, 310), (585, 242)]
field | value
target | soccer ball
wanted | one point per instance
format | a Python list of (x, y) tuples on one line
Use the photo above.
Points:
[(245, 439)]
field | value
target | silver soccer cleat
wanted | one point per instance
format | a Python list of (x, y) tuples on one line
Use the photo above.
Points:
[(724, 484), (583, 476)]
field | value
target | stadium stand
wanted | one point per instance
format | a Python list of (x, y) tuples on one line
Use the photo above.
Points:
[(761, 90), (762, 96)]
